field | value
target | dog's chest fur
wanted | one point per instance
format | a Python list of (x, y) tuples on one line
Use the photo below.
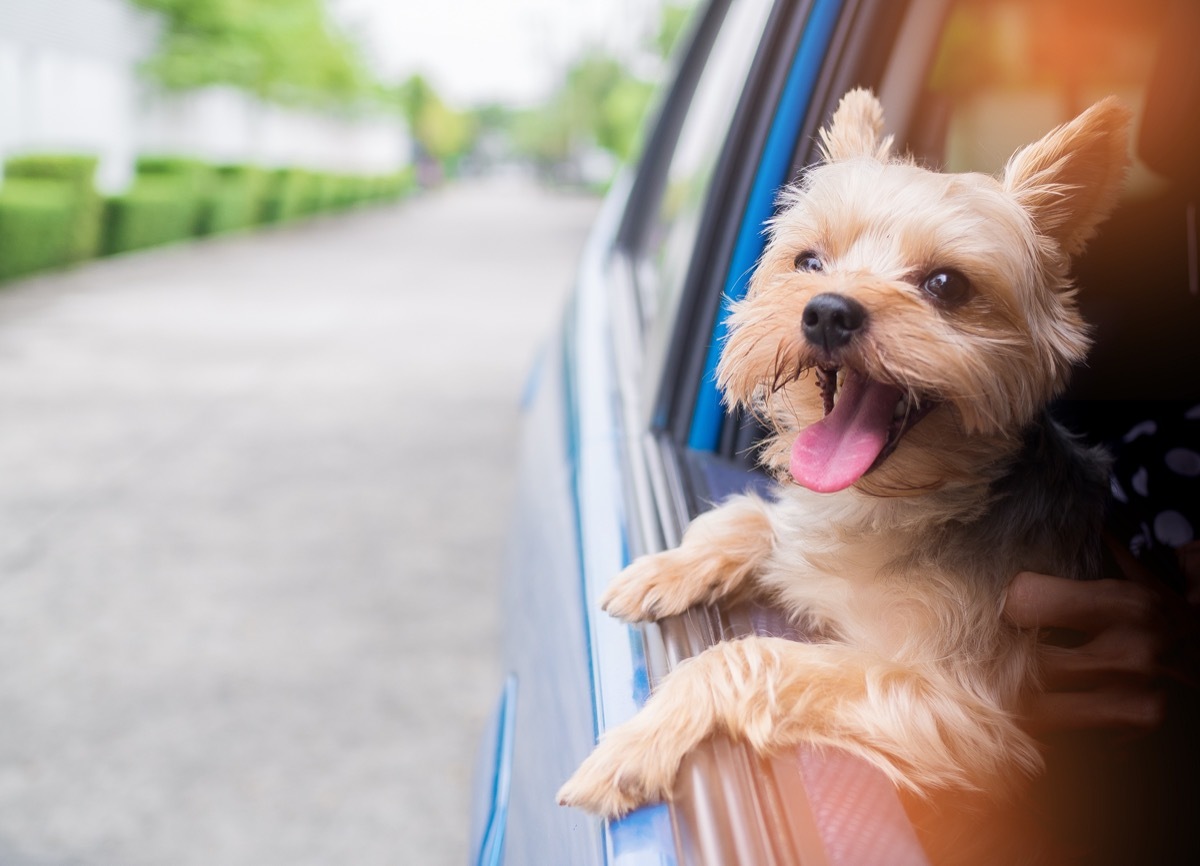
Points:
[(880, 572)]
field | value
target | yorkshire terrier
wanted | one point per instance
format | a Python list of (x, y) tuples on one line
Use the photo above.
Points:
[(900, 341)]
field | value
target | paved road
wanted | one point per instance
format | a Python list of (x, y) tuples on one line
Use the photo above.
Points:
[(252, 499)]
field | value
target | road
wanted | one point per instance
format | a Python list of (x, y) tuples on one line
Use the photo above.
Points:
[(253, 497)]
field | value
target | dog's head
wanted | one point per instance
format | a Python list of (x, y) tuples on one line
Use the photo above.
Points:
[(890, 295)]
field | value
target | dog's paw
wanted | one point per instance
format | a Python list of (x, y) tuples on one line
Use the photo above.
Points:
[(650, 588), (610, 784)]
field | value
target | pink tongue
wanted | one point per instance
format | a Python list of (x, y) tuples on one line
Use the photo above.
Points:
[(836, 451)]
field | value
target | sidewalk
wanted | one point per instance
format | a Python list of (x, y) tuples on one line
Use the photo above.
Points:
[(253, 494)]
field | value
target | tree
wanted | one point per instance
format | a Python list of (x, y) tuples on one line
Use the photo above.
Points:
[(440, 131), (671, 27), (281, 50), (601, 101)]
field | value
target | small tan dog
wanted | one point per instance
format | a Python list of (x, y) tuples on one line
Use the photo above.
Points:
[(901, 338)]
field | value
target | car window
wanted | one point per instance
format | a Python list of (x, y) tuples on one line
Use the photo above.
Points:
[(1006, 71), (671, 235), (1003, 73)]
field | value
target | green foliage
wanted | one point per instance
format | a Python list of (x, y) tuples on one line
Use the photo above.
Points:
[(327, 190), (191, 176), (440, 131), (157, 209), (620, 118), (282, 196), (308, 192), (671, 27), (288, 193), (233, 199), (282, 50), (390, 187), (171, 199), (78, 172), (601, 101), (193, 173), (542, 134), (37, 224)]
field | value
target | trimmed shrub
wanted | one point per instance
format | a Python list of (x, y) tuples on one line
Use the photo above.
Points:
[(234, 199), (346, 191), (78, 172), (280, 201), (51, 213), (309, 192), (156, 210), (192, 177), (194, 174), (326, 185), (37, 225), (397, 185)]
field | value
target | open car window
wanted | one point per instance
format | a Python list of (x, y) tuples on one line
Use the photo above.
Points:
[(668, 244), (1003, 73)]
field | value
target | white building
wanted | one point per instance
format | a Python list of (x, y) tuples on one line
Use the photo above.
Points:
[(69, 83)]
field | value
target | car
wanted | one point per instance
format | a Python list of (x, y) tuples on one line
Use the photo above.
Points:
[(626, 438)]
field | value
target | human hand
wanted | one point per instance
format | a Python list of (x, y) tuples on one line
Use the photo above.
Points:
[(1111, 651)]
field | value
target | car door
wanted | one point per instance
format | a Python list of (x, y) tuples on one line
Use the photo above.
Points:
[(690, 233), (940, 69), (585, 503)]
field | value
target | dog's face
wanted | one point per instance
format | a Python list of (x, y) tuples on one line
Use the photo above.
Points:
[(890, 295)]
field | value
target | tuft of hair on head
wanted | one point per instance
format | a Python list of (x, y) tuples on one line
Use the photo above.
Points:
[(856, 129), (1069, 180)]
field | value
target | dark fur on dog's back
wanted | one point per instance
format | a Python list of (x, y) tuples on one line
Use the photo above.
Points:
[(1046, 513)]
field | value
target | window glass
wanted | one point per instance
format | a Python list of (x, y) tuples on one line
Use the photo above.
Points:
[(1008, 71), (672, 234), (1004, 73)]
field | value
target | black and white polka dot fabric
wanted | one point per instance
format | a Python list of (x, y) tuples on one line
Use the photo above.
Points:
[(1156, 486)]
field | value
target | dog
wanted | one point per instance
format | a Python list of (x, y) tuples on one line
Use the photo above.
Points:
[(900, 340)]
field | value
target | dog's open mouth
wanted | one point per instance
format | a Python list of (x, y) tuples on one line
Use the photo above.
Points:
[(864, 420)]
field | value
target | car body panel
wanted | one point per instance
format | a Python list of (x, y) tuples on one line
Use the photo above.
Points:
[(774, 171)]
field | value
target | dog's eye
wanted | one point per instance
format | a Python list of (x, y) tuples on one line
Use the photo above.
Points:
[(808, 261), (947, 286)]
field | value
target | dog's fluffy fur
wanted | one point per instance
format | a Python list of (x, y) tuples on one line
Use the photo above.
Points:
[(900, 576)]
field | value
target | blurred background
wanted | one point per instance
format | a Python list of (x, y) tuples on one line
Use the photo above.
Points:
[(272, 273)]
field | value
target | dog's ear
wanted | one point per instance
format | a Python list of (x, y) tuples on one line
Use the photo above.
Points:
[(1069, 181), (855, 129)]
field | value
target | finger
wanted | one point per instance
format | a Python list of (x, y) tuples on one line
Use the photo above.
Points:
[(1140, 710), (1044, 601), (1134, 655)]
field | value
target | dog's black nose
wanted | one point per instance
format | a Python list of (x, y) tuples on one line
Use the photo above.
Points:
[(830, 320)]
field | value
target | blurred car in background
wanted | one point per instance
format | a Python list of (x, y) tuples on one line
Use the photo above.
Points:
[(626, 439)]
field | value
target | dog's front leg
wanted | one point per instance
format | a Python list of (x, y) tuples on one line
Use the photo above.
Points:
[(721, 549), (769, 692), (922, 729)]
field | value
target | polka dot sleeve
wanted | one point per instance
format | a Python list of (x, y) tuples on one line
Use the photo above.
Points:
[(1156, 487)]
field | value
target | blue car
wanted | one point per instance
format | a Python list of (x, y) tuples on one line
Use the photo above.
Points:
[(626, 439)]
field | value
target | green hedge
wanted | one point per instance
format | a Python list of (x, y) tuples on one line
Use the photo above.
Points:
[(78, 172), (234, 199), (310, 191), (390, 187), (38, 222), (327, 187), (193, 178), (156, 210), (283, 195), (51, 213)]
